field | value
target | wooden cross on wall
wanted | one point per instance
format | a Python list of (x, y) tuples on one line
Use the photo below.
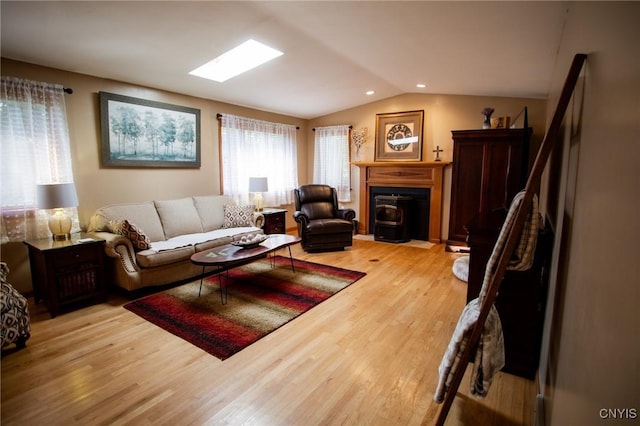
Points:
[(438, 151)]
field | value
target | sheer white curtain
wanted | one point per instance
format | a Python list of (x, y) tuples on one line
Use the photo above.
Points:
[(258, 148), (35, 150), (331, 160)]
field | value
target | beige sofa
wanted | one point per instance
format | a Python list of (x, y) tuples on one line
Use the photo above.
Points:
[(151, 243)]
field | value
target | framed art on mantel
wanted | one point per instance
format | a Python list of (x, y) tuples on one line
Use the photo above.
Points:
[(141, 133), (399, 136)]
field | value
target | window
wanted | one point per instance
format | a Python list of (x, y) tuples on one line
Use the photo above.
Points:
[(254, 148), (35, 150), (331, 160)]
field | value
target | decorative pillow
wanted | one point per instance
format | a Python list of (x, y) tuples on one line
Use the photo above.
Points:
[(236, 216), (137, 236), (145, 215)]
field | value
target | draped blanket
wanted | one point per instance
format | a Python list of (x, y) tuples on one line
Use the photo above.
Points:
[(490, 352), (522, 257), (489, 356)]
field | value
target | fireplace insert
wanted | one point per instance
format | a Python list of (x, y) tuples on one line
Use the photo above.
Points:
[(392, 218)]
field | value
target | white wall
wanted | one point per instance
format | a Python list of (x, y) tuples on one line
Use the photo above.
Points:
[(591, 352)]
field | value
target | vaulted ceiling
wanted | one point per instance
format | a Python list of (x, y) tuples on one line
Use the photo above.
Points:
[(334, 51)]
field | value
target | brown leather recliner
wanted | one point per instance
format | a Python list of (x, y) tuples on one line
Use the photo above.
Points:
[(322, 226)]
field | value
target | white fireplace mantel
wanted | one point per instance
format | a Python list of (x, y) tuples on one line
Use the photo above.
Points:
[(404, 175)]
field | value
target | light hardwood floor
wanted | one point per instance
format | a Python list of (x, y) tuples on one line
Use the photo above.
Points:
[(367, 356)]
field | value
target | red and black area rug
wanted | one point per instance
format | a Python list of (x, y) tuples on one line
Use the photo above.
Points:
[(261, 298)]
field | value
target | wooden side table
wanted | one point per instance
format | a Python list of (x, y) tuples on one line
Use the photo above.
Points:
[(274, 221), (67, 273)]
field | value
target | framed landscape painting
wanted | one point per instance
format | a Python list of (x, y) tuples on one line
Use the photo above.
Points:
[(399, 136), (142, 133)]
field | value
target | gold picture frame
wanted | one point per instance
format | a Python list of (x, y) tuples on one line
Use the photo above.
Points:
[(501, 122), (399, 136)]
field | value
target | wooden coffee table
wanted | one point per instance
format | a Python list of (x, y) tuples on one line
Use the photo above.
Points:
[(231, 256)]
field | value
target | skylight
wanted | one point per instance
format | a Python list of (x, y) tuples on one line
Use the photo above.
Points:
[(240, 59)]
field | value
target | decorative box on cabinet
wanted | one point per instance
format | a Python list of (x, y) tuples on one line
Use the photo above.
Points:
[(67, 273), (522, 295), (489, 168), (274, 221)]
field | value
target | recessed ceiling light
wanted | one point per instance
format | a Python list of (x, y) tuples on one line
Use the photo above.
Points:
[(370, 92), (421, 85), (240, 59)]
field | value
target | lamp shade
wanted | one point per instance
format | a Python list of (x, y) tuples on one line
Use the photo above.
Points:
[(56, 195), (258, 184)]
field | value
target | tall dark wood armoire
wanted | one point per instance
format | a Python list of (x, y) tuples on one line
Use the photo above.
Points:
[(489, 168)]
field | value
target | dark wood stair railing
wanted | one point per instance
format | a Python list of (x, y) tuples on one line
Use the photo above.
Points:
[(532, 187)]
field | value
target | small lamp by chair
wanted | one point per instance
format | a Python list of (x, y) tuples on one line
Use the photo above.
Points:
[(258, 185), (58, 196)]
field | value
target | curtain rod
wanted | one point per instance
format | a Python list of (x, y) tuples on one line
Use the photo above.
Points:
[(68, 90), (219, 116), (350, 128)]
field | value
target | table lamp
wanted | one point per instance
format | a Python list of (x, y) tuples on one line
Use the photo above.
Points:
[(57, 196), (258, 185)]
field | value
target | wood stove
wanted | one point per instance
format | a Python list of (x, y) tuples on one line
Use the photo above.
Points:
[(392, 218)]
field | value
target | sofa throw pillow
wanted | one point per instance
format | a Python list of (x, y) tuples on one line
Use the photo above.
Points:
[(136, 235), (144, 215), (236, 216)]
